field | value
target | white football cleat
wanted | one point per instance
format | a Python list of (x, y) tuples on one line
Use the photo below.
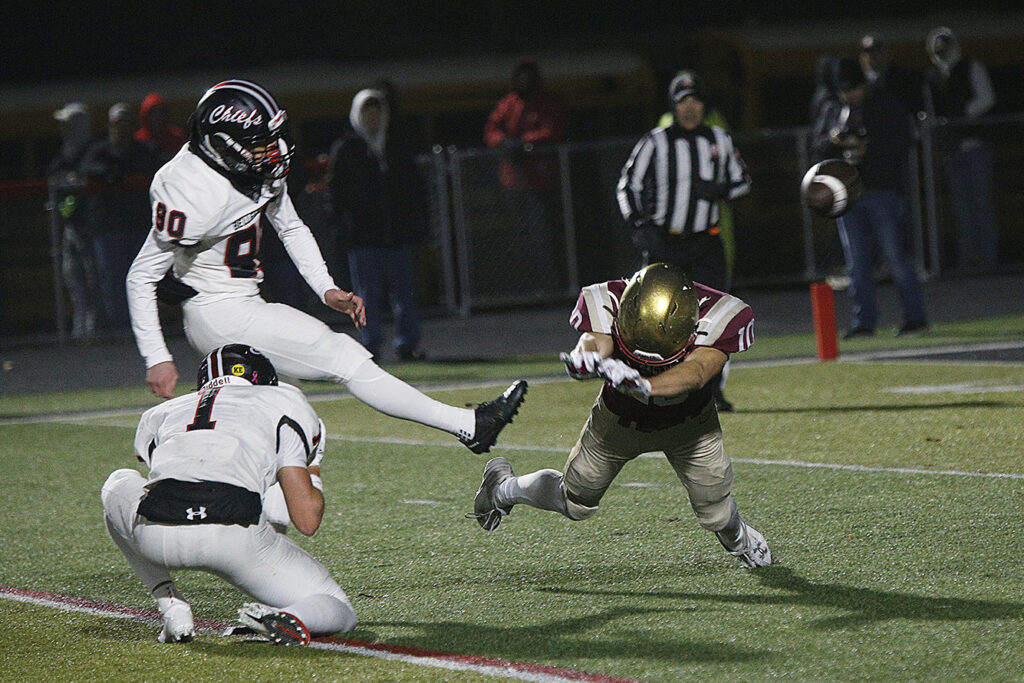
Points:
[(486, 513), (178, 625), (754, 551)]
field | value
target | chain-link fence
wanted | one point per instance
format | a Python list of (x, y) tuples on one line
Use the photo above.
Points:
[(533, 227), (517, 230)]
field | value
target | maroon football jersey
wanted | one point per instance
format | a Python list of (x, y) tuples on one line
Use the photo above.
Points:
[(725, 323)]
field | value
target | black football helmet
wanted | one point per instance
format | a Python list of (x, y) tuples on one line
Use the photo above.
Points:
[(657, 318), (236, 360), (239, 129)]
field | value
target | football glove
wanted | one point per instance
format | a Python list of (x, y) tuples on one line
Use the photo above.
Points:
[(581, 364), (625, 378), (321, 445)]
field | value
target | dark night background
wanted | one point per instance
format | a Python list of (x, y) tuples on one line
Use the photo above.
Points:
[(67, 41), (450, 61)]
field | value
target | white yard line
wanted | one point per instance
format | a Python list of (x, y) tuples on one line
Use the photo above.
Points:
[(85, 418), (746, 461)]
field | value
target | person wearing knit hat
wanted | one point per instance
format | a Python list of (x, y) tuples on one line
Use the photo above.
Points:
[(156, 126), (873, 131)]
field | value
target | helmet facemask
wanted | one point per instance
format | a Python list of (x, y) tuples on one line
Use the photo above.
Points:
[(267, 155)]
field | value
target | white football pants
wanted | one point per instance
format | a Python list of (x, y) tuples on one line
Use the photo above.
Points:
[(267, 565)]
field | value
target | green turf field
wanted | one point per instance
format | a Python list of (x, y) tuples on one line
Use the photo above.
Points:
[(896, 558)]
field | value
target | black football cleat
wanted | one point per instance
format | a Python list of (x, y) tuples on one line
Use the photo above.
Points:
[(492, 416)]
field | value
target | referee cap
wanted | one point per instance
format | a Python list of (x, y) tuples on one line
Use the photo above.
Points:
[(684, 84), (70, 110)]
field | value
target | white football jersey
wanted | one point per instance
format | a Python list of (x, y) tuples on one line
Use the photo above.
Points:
[(231, 432), (210, 233)]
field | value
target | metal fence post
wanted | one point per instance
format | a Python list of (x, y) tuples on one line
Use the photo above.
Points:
[(461, 232), (915, 214), (444, 227), (803, 158), (930, 201), (56, 240), (568, 220)]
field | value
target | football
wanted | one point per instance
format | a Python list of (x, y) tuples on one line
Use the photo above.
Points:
[(831, 187)]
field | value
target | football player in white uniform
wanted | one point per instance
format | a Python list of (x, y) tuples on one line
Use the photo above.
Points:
[(656, 340), (212, 455), (211, 203)]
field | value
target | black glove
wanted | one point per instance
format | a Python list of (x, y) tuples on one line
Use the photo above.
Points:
[(710, 190), (512, 146), (646, 236)]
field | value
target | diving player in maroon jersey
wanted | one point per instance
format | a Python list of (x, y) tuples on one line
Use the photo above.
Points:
[(656, 340)]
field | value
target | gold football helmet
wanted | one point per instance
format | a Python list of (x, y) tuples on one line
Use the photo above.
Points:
[(657, 317)]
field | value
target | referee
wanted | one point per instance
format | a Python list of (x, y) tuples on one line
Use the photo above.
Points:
[(669, 192), (670, 187)]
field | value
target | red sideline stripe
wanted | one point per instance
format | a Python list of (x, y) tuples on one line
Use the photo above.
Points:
[(20, 189), (569, 674)]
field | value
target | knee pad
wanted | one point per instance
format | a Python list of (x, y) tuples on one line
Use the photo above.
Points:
[(118, 480), (349, 618), (577, 511), (715, 515)]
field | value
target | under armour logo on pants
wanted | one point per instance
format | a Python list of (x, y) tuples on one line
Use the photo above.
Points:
[(192, 514)]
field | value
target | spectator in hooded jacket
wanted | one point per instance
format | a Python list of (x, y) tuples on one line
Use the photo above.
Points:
[(378, 198), (958, 88), (156, 126)]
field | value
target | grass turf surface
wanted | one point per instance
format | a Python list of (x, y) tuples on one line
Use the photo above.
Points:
[(881, 574)]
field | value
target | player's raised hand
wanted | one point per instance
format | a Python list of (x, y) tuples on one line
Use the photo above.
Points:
[(624, 378), (162, 378), (347, 303), (581, 364)]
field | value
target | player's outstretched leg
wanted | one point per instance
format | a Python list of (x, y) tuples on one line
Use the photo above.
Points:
[(492, 416), (488, 513)]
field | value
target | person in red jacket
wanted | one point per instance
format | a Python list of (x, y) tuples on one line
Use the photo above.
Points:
[(530, 115), (522, 127), (156, 126)]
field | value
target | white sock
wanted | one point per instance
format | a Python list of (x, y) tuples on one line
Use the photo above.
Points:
[(541, 489), (164, 594), (391, 396), (322, 614)]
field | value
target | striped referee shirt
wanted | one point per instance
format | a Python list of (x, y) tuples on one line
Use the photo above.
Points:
[(656, 181)]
